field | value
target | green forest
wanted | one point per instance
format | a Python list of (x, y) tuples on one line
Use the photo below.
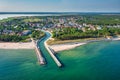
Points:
[(75, 33), (13, 38)]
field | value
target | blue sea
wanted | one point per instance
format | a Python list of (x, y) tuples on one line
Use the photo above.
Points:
[(93, 61)]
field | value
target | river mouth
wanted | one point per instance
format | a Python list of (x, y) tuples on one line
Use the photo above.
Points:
[(47, 51)]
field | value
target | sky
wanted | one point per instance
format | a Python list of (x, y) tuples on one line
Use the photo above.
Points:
[(59, 5)]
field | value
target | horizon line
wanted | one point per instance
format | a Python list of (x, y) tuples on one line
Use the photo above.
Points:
[(12, 12)]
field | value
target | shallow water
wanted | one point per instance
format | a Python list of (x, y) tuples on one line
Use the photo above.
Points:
[(93, 61)]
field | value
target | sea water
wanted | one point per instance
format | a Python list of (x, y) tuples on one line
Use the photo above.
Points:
[(93, 61)]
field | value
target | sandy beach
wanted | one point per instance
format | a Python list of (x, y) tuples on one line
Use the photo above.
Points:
[(31, 45), (67, 46), (9, 45)]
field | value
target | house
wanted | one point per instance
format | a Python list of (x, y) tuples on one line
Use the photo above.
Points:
[(92, 27), (98, 28), (83, 29), (7, 31), (26, 32)]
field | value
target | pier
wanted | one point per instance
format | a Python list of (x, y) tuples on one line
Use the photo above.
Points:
[(38, 53), (51, 52)]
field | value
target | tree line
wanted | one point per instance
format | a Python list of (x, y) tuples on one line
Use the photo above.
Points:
[(12, 38), (75, 33), (36, 34)]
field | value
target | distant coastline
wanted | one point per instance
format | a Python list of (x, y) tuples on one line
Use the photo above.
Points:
[(18, 14)]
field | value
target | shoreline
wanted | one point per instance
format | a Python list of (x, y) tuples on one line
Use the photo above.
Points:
[(55, 47), (72, 45)]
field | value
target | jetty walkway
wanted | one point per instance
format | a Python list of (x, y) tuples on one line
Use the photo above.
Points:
[(51, 52), (38, 53)]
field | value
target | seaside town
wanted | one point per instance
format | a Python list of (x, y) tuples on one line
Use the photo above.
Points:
[(21, 27), (26, 31)]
